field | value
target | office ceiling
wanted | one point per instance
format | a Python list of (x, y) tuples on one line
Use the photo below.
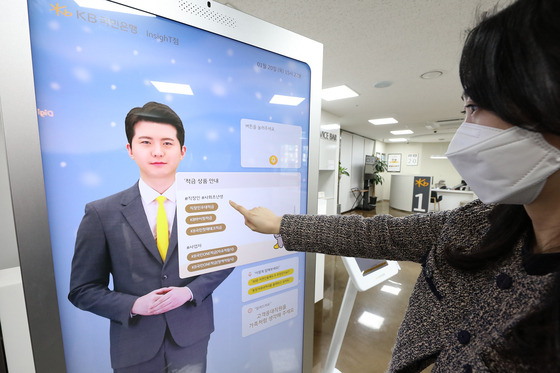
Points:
[(371, 41)]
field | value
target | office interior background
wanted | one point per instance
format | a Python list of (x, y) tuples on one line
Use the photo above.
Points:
[(400, 58)]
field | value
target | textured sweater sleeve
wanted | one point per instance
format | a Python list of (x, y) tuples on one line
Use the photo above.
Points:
[(380, 237)]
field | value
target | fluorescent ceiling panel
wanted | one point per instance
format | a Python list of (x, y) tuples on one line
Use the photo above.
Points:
[(402, 132), (180, 89), (337, 93), (381, 121), (286, 100)]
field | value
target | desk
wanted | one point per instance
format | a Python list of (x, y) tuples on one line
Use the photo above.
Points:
[(452, 199)]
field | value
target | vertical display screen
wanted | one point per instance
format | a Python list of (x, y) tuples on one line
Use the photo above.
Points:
[(246, 116)]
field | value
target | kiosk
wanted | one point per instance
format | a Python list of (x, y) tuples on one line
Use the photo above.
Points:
[(71, 70)]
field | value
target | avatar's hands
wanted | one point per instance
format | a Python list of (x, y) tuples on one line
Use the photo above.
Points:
[(161, 301), (170, 298), (259, 219)]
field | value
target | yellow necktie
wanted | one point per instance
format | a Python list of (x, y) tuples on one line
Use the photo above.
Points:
[(162, 228)]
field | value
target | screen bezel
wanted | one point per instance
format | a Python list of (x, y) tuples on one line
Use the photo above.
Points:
[(18, 119)]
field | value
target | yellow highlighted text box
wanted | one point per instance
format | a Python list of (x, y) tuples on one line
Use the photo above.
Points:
[(271, 285), (271, 276)]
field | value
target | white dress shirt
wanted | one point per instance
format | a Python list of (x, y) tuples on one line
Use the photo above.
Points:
[(149, 195), (150, 204)]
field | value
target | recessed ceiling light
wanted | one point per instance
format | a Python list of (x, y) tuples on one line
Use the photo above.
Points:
[(337, 93), (398, 139), (383, 84), (436, 156), (431, 74), (380, 121), (402, 132), (286, 100)]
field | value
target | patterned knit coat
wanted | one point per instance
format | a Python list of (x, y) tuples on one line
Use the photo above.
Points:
[(455, 319)]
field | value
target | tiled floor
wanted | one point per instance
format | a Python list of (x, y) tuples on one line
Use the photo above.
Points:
[(363, 349)]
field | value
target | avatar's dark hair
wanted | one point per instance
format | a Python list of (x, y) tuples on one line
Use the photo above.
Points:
[(153, 112)]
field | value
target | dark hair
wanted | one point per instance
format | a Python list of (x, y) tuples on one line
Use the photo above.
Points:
[(508, 224), (511, 64), (153, 112)]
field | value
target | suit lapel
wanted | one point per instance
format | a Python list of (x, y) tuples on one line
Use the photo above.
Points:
[(133, 211)]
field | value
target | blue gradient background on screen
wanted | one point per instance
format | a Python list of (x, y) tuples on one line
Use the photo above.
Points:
[(88, 75)]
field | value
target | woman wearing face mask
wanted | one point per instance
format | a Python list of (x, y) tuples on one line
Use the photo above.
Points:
[(488, 297)]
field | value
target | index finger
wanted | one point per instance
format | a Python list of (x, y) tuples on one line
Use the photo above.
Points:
[(242, 210)]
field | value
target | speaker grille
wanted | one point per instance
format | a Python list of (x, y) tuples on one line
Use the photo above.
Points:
[(206, 13)]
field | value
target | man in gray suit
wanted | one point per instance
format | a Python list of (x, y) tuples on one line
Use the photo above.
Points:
[(159, 322)]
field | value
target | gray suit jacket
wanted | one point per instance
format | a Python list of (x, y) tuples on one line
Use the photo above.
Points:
[(114, 238)]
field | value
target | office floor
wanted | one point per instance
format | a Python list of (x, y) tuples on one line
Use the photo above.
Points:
[(364, 349)]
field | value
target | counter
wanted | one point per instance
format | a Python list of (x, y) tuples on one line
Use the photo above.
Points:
[(453, 198), (403, 195)]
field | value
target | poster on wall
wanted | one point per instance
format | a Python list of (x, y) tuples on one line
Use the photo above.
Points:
[(412, 159), (394, 162), (245, 114)]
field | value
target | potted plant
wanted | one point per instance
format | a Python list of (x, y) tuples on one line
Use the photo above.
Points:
[(379, 167), (341, 171)]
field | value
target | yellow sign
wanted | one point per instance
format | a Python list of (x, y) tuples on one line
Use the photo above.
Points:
[(422, 183)]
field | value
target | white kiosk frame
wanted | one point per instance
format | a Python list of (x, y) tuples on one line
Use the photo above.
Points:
[(360, 279), (18, 121)]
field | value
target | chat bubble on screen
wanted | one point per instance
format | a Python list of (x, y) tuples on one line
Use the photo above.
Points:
[(212, 235), (266, 279), (268, 312), (270, 145)]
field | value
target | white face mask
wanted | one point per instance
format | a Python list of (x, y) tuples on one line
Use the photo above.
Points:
[(503, 166)]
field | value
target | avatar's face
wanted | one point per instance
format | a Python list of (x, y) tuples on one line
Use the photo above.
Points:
[(156, 150)]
